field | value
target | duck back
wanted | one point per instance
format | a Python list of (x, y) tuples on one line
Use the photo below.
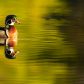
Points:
[(3, 32)]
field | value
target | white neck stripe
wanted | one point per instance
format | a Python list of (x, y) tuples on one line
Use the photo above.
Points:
[(11, 23)]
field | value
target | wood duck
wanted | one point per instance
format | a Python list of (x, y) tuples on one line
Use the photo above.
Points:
[(11, 31)]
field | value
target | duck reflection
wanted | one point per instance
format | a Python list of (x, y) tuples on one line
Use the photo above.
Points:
[(10, 43)]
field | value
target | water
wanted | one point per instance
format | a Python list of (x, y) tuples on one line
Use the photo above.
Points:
[(36, 64), (50, 40)]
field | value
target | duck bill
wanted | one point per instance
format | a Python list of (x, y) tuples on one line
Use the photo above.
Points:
[(17, 21), (16, 52)]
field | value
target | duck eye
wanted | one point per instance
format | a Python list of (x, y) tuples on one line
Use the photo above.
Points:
[(13, 18)]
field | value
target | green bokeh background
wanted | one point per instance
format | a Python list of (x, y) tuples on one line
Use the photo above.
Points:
[(45, 56)]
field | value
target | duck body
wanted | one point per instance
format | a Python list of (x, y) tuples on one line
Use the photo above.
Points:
[(11, 32)]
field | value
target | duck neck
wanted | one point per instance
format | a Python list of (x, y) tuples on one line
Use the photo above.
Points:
[(10, 26)]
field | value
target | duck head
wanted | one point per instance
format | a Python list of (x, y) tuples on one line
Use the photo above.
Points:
[(11, 19)]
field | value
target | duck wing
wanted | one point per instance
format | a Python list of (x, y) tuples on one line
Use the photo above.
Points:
[(3, 32), (2, 28)]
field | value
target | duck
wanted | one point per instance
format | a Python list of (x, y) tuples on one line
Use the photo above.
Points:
[(10, 31)]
